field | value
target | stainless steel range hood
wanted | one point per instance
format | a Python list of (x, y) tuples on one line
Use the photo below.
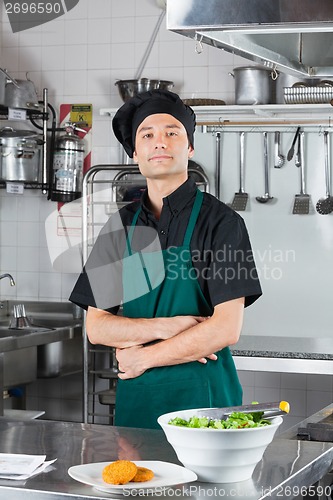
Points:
[(292, 36)]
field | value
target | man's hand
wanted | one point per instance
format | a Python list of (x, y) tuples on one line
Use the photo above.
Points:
[(213, 357), (130, 363)]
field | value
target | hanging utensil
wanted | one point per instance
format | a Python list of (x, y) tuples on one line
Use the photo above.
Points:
[(218, 165), (302, 200), (240, 199), (324, 206), (269, 409), (279, 157), (266, 197), (290, 154)]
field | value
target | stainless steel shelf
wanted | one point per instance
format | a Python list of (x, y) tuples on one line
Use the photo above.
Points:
[(266, 115)]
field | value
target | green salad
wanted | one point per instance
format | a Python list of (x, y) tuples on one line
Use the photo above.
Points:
[(236, 420)]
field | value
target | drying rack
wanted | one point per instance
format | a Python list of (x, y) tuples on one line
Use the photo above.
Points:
[(103, 191)]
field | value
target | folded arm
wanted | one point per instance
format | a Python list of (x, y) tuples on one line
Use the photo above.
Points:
[(117, 331), (199, 341)]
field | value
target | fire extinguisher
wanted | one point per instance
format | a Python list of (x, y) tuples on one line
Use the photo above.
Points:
[(67, 168)]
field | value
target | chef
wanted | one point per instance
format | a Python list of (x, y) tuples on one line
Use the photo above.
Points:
[(180, 263)]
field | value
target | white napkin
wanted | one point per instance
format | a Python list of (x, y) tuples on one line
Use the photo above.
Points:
[(19, 466)]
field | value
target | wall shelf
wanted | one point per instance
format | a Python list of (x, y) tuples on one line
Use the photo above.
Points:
[(211, 118), (265, 115)]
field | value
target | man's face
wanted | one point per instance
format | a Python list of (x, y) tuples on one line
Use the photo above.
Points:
[(162, 148)]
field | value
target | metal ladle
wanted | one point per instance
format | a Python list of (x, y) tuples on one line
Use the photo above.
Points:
[(324, 206), (266, 197)]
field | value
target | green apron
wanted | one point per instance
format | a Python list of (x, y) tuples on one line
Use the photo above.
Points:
[(139, 401)]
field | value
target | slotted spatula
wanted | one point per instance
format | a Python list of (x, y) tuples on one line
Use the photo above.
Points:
[(302, 200), (269, 409), (240, 199)]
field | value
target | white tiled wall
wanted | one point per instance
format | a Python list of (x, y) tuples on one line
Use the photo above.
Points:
[(79, 57), (306, 393)]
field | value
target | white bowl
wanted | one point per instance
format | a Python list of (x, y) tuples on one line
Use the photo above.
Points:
[(218, 455)]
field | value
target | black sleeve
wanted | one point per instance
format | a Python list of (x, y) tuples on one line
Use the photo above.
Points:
[(230, 270), (100, 282)]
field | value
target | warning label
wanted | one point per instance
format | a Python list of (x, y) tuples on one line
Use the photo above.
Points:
[(81, 113)]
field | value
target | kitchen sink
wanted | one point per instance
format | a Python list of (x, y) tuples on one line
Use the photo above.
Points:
[(54, 322), (52, 359), (40, 321), (5, 331)]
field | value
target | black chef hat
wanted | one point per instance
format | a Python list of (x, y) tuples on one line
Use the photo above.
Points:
[(128, 118)]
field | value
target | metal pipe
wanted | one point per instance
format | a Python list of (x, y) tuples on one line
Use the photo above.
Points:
[(45, 148), (218, 165), (149, 46)]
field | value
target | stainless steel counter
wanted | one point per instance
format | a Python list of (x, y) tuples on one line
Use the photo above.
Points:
[(284, 354), (287, 465)]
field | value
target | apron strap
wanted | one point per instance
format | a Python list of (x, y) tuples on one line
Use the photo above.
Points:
[(131, 231), (193, 218), (129, 247)]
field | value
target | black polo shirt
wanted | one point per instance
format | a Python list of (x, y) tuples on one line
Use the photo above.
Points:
[(221, 251)]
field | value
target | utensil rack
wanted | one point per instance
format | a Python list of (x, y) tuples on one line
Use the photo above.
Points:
[(102, 195)]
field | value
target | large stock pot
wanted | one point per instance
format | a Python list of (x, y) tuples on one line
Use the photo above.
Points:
[(253, 85), (20, 155)]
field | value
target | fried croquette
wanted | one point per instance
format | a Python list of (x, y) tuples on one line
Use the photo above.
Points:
[(119, 472), (143, 474)]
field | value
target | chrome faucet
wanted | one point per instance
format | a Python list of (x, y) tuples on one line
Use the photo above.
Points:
[(10, 277)]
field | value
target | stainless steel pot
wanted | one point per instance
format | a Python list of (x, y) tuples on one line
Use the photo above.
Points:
[(20, 155), (21, 94), (130, 88), (253, 85)]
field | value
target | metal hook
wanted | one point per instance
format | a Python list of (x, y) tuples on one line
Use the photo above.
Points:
[(274, 74), (198, 44)]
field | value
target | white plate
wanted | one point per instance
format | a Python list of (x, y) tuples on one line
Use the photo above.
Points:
[(165, 475)]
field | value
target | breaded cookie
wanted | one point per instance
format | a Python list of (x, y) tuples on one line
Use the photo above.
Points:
[(142, 475), (119, 472)]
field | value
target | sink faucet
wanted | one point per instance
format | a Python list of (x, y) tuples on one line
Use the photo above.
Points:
[(11, 279)]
